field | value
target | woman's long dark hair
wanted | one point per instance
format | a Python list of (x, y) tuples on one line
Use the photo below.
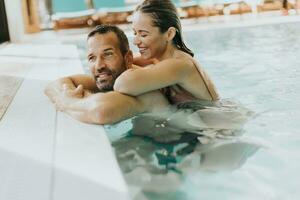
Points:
[(164, 16)]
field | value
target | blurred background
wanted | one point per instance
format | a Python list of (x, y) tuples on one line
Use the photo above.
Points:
[(250, 48), (20, 17)]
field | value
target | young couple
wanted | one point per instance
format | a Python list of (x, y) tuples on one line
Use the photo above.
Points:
[(122, 86)]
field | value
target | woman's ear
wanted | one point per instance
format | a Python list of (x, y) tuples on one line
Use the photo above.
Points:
[(129, 59), (171, 33)]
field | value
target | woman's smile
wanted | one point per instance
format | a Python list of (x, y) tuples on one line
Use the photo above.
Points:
[(142, 50)]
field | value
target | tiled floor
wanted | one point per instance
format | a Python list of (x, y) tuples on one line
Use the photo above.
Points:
[(9, 87)]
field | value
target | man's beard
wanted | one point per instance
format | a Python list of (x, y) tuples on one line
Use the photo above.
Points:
[(107, 84)]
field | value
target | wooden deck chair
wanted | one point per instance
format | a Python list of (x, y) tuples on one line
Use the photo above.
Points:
[(270, 5), (293, 4), (189, 8), (71, 14), (112, 12), (180, 11), (290, 4), (231, 7), (209, 8), (246, 7)]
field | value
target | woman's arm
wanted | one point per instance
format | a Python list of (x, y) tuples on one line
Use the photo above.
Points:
[(138, 60), (165, 73)]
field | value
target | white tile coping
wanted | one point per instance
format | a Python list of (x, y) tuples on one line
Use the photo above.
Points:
[(40, 51), (45, 154)]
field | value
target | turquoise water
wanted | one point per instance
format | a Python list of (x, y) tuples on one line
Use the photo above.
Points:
[(258, 67)]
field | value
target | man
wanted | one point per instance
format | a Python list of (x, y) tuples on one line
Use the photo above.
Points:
[(90, 99)]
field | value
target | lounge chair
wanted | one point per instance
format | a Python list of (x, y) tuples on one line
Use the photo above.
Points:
[(211, 8), (270, 5), (231, 7), (293, 4), (112, 12), (189, 9), (71, 14), (290, 4)]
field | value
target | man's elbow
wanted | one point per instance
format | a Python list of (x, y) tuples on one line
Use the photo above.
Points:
[(101, 116)]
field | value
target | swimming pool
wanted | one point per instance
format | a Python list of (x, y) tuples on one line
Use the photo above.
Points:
[(259, 67)]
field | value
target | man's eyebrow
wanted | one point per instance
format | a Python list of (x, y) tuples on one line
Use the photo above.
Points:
[(108, 49), (90, 54)]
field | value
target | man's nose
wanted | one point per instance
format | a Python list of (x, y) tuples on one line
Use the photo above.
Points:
[(100, 65)]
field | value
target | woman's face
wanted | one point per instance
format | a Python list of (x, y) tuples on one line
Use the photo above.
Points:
[(149, 40)]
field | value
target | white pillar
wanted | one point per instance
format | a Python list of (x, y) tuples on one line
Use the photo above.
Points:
[(15, 20)]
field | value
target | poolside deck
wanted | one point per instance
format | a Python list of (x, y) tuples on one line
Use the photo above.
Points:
[(44, 154)]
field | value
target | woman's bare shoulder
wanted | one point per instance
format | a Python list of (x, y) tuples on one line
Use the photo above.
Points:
[(177, 61)]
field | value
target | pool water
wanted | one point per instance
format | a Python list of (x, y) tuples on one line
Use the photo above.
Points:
[(258, 67)]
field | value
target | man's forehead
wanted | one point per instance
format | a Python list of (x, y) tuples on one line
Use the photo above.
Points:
[(104, 41)]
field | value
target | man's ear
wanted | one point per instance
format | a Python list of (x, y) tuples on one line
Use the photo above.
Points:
[(171, 32), (129, 59)]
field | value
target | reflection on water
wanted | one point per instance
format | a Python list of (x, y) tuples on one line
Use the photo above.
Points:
[(210, 120), (158, 151)]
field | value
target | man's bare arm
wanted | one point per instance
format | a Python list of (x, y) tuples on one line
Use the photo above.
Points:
[(110, 107), (70, 83)]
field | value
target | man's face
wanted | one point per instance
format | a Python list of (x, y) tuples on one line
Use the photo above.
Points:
[(105, 60)]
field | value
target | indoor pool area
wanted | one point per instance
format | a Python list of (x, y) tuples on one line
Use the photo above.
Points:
[(63, 141), (257, 67)]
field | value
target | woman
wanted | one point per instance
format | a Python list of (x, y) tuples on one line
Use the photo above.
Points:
[(158, 36)]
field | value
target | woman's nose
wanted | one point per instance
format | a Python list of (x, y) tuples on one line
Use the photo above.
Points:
[(136, 40)]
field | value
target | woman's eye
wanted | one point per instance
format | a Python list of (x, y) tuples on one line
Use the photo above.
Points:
[(143, 36), (91, 59)]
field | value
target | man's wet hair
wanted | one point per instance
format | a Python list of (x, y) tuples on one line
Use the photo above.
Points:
[(105, 28)]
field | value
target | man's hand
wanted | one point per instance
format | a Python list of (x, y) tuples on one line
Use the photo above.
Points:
[(68, 94), (78, 92)]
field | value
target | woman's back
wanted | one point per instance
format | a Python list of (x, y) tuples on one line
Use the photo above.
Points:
[(197, 86)]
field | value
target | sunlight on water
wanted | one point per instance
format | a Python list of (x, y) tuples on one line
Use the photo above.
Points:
[(256, 66)]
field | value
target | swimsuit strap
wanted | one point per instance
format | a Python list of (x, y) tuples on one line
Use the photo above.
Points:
[(212, 92)]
